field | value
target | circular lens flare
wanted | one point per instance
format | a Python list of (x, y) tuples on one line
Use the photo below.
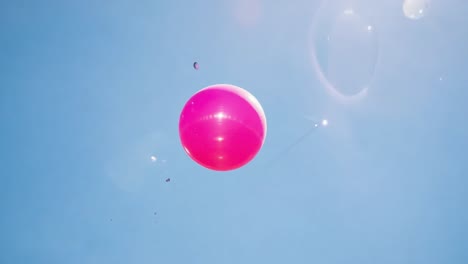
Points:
[(344, 48)]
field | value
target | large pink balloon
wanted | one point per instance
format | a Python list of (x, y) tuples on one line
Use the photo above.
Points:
[(222, 127)]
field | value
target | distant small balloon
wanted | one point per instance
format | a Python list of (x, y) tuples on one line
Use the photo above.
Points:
[(415, 9), (222, 127), (196, 66)]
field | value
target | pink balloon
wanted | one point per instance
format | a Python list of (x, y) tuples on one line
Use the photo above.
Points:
[(222, 127)]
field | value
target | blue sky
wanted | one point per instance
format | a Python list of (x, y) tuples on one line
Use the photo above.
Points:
[(90, 90)]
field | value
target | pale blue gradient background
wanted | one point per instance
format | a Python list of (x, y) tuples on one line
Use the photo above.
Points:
[(90, 89)]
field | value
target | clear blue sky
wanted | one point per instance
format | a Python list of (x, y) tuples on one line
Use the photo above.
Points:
[(89, 90)]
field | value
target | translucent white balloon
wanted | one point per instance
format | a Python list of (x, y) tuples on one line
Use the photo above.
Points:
[(344, 51), (415, 9)]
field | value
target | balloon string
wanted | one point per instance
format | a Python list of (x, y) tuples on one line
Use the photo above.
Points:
[(273, 162)]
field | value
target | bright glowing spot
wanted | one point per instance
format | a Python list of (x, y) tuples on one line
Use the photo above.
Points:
[(324, 122), (369, 28), (220, 115), (315, 125), (219, 139), (153, 158)]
